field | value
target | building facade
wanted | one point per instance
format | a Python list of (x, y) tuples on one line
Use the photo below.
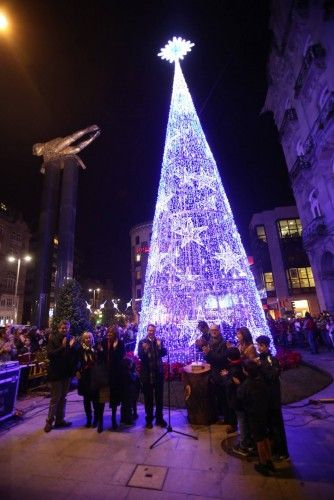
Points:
[(281, 266), (140, 236), (301, 98), (14, 242)]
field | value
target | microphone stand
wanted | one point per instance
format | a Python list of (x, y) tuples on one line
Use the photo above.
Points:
[(169, 426)]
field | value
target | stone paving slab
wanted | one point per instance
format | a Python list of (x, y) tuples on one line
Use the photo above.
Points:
[(79, 463)]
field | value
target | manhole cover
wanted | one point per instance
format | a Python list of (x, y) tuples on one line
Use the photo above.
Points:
[(148, 476)]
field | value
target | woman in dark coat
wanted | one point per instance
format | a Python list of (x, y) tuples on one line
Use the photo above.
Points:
[(114, 352), (87, 357)]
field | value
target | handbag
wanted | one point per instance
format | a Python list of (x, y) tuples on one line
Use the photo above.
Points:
[(99, 376)]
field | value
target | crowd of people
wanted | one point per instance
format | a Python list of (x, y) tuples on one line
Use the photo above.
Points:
[(245, 382), (23, 342), (307, 331), (105, 374), (244, 379)]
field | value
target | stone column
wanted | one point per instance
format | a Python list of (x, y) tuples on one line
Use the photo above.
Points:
[(47, 231), (67, 215)]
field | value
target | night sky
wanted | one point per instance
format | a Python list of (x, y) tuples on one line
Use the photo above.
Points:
[(70, 64)]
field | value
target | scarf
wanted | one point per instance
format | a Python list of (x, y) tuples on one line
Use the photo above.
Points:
[(89, 356)]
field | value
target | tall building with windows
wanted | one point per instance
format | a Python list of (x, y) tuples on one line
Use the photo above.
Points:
[(281, 266), (140, 236), (14, 241), (301, 98)]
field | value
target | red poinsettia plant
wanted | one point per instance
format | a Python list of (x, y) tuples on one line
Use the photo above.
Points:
[(288, 359), (175, 368)]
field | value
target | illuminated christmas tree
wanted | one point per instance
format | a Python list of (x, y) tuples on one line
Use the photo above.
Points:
[(197, 267)]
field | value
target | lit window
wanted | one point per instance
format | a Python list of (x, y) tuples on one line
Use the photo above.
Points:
[(261, 233), (289, 228), (269, 282), (300, 277), (15, 236), (138, 257), (138, 274)]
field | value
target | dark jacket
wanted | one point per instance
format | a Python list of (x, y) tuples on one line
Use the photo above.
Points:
[(113, 356), (234, 370), (253, 394), (151, 368), (86, 360), (62, 359), (270, 370), (217, 359)]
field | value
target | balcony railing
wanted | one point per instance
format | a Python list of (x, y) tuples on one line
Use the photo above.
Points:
[(288, 123), (315, 56), (300, 164), (314, 231), (327, 113), (316, 137)]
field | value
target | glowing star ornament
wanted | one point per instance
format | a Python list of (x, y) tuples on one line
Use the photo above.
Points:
[(175, 49), (197, 266), (186, 179), (162, 204), (206, 181), (228, 260), (189, 233)]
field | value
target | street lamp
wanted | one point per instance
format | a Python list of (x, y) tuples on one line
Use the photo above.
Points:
[(11, 258), (94, 290), (4, 23)]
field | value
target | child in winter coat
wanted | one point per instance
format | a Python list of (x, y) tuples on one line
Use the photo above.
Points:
[(253, 394), (233, 377), (270, 371)]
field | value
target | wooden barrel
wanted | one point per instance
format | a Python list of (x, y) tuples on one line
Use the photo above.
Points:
[(198, 395)]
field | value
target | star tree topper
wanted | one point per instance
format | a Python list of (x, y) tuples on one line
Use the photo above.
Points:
[(175, 49)]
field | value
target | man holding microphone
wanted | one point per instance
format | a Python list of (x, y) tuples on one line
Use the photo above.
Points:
[(151, 351)]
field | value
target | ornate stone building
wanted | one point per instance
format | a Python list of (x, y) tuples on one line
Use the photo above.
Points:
[(14, 242), (301, 98)]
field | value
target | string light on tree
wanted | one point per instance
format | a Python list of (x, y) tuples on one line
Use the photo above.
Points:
[(197, 267)]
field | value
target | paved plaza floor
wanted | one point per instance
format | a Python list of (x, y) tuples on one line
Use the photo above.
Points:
[(79, 463)]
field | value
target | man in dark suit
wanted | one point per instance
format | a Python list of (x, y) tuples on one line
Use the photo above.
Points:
[(151, 351), (62, 361)]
